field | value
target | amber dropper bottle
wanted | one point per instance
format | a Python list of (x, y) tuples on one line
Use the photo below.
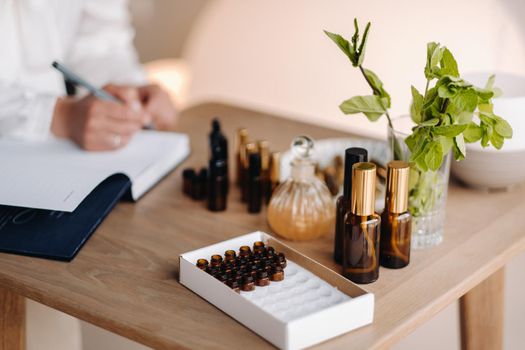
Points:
[(274, 174), (241, 139), (264, 151), (254, 184), (217, 185), (250, 148), (352, 155), (396, 220), (362, 227)]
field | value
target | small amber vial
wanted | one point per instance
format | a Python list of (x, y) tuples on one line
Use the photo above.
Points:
[(277, 274), (216, 260), (280, 259), (212, 270), (223, 277), (251, 270), (245, 251), (262, 278), (234, 285), (248, 284), (202, 264), (227, 267), (230, 255), (270, 251), (259, 247)]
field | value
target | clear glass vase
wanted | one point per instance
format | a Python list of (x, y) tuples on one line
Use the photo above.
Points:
[(302, 207), (427, 189)]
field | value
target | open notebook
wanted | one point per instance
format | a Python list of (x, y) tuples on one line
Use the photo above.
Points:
[(53, 195), (57, 175)]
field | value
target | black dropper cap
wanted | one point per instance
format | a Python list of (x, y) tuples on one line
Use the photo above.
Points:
[(352, 155), (255, 165)]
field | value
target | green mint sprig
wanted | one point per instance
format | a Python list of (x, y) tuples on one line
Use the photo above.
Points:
[(448, 115)]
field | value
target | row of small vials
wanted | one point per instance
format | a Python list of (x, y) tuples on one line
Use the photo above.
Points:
[(247, 268)]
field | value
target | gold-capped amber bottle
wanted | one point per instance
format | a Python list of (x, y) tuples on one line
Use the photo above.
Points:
[(396, 228), (362, 227)]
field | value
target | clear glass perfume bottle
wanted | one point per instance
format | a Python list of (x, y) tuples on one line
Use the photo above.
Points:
[(302, 207)]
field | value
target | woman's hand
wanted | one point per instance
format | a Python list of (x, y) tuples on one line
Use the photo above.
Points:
[(99, 125), (158, 104)]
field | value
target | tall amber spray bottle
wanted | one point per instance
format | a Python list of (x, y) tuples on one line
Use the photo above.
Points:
[(275, 175), (254, 184), (396, 225), (352, 155), (250, 148), (362, 227)]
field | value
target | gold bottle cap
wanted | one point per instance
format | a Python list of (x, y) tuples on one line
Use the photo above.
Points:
[(264, 151), (396, 200), (363, 188), (242, 137), (249, 148), (275, 167)]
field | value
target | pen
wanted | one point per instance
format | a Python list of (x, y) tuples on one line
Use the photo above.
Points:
[(77, 80)]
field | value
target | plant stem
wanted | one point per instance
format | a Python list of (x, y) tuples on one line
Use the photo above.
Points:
[(426, 89), (378, 93)]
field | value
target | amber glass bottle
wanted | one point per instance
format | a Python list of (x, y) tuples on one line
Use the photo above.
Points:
[(397, 221), (241, 140), (217, 185), (274, 174), (362, 227), (352, 155)]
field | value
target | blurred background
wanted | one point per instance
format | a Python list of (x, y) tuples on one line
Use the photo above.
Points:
[(273, 56)]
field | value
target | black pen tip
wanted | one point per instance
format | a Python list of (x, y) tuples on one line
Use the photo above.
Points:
[(54, 64)]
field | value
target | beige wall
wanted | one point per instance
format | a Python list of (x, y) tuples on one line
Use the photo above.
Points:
[(162, 26)]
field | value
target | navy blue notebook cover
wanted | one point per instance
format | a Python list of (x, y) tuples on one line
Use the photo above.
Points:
[(54, 234)]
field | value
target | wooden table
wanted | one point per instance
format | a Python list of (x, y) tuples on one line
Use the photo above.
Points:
[(125, 278)]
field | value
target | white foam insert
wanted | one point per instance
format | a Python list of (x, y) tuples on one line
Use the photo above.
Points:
[(300, 293)]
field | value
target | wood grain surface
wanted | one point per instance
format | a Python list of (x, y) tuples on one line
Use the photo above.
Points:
[(12, 320), (125, 278), (482, 314)]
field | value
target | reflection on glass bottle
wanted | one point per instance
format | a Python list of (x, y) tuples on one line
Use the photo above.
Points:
[(397, 221), (352, 155), (362, 227), (302, 208)]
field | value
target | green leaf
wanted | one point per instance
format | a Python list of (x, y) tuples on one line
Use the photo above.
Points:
[(362, 46), (431, 48), (503, 128), (434, 155), (446, 143), (445, 91), (490, 82), (343, 44), (355, 37), (496, 140), (370, 105), (460, 150), (416, 108), (472, 133), (377, 85), (430, 122), (449, 65), (450, 130), (465, 100), (487, 108)]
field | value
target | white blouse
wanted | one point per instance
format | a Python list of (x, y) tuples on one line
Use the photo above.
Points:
[(92, 37)]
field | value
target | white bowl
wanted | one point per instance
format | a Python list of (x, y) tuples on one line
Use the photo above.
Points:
[(488, 167)]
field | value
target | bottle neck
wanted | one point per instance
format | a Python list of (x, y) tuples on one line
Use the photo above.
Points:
[(302, 170)]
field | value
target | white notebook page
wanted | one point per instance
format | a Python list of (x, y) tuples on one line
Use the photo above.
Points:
[(57, 175)]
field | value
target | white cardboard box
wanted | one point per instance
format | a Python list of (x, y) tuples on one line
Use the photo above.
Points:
[(298, 333)]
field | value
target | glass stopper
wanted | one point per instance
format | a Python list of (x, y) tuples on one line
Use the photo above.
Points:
[(302, 147)]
